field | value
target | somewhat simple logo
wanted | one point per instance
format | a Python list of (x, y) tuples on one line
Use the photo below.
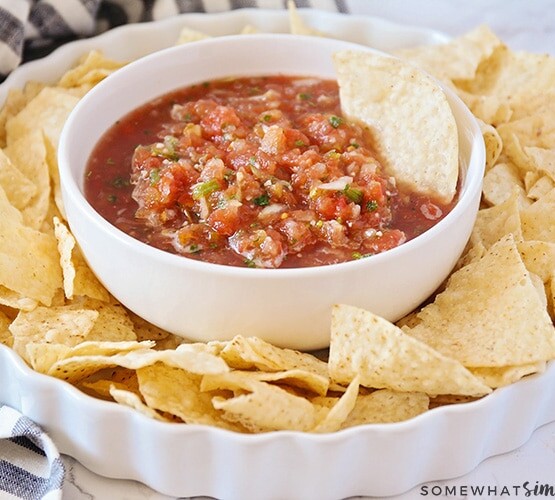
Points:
[(538, 490), (524, 490)]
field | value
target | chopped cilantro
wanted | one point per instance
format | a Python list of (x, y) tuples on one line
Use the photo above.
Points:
[(154, 176), (112, 198), (249, 263), (205, 188), (299, 143), (166, 152), (262, 200), (358, 255), (305, 96), (371, 205), (194, 248), (119, 182), (354, 194), (267, 118), (335, 121)]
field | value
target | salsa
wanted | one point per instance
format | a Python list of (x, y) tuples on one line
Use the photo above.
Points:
[(256, 172)]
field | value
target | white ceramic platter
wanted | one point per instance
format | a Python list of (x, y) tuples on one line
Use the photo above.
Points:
[(189, 460)]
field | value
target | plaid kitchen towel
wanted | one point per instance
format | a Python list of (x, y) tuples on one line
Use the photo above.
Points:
[(32, 28), (30, 465)]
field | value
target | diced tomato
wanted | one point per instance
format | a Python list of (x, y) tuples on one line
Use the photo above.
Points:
[(319, 129), (225, 221), (219, 120)]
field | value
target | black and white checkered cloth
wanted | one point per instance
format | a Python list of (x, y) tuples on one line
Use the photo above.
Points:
[(32, 28), (30, 465)]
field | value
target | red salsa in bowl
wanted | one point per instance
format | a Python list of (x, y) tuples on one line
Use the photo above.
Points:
[(254, 172)]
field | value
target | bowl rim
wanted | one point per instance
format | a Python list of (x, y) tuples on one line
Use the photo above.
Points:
[(468, 184)]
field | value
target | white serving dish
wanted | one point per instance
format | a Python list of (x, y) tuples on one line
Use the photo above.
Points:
[(181, 460)]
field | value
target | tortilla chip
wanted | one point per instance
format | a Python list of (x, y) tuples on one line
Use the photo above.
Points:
[(340, 411), (28, 154), (386, 358), (147, 331), (188, 35), (533, 104), (450, 399), (493, 142), (410, 320), (267, 408), (19, 189), (130, 399), (86, 283), (495, 222), (43, 356), (386, 406), (52, 162), (456, 59), (540, 187), (417, 143), (500, 182), (542, 160), (177, 392), (112, 325), (250, 352), (538, 220), (296, 24), (52, 325), (76, 368), (506, 375), (537, 130), (15, 101), (490, 314), (65, 247), (15, 300), (5, 334), (101, 382), (508, 75), (28, 264), (46, 113), (488, 108), (538, 257), (78, 277), (471, 254), (249, 29), (92, 69), (296, 379), (100, 388)]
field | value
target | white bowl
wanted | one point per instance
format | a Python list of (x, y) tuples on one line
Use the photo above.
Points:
[(203, 301)]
